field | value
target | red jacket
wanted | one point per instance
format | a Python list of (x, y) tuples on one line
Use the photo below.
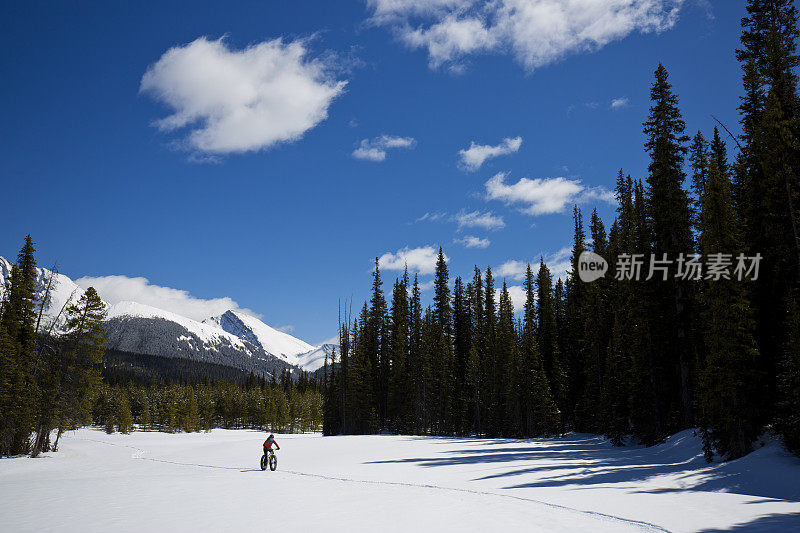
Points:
[(268, 444)]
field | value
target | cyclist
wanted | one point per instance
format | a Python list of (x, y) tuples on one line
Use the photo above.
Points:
[(268, 444)]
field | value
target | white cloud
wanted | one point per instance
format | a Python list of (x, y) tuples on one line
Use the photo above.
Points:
[(432, 217), (115, 289), (536, 32), (470, 241), (425, 286), (473, 157), (517, 295), (477, 219), (241, 100), (422, 259), (288, 328), (515, 292), (375, 149), (557, 262), (619, 103), (543, 196), (331, 340), (512, 269)]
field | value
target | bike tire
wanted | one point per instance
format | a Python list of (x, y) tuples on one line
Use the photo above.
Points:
[(263, 462), (273, 462)]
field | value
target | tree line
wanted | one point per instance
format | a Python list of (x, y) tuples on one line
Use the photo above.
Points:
[(618, 356), (290, 406)]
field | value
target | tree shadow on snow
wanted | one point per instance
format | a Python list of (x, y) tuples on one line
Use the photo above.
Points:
[(588, 461), (768, 523)]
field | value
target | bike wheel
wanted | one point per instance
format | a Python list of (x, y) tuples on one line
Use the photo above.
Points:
[(273, 462), (264, 462)]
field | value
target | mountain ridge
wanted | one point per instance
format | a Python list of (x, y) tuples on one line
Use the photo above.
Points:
[(232, 338)]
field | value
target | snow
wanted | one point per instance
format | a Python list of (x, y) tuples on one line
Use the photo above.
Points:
[(64, 293), (315, 359), (253, 330), (208, 334), (151, 481)]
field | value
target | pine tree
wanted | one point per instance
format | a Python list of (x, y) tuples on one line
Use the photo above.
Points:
[(476, 370), (624, 330), (399, 410), (507, 392), (597, 327), (568, 396), (375, 344), (462, 342), (669, 217), (441, 353), (728, 392), (418, 362), (540, 414), (546, 335), (19, 321), (81, 350), (488, 356)]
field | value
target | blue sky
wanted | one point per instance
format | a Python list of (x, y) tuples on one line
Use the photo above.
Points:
[(246, 168)]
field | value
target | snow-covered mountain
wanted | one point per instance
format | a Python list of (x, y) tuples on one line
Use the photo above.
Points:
[(138, 328), (254, 331), (315, 359), (233, 338)]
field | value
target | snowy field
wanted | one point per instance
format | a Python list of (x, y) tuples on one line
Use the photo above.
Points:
[(211, 482)]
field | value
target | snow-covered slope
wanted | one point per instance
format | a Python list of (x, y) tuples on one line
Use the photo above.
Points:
[(138, 328), (63, 292), (315, 359), (205, 333), (254, 331)]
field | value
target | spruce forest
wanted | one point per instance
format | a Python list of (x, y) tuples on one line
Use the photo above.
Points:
[(618, 357)]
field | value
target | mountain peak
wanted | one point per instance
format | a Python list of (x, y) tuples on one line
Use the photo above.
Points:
[(254, 331)]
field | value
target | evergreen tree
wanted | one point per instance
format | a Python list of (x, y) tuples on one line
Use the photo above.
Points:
[(508, 387), (19, 322), (476, 365), (728, 392), (546, 334), (374, 345), (418, 362), (462, 342), (669, 218), (540, 414), (399, 412), (441, 349), (488, 356), (568, 395), (597, 327)]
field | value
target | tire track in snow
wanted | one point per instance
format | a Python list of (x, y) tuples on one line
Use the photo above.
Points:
[(644, 526)]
